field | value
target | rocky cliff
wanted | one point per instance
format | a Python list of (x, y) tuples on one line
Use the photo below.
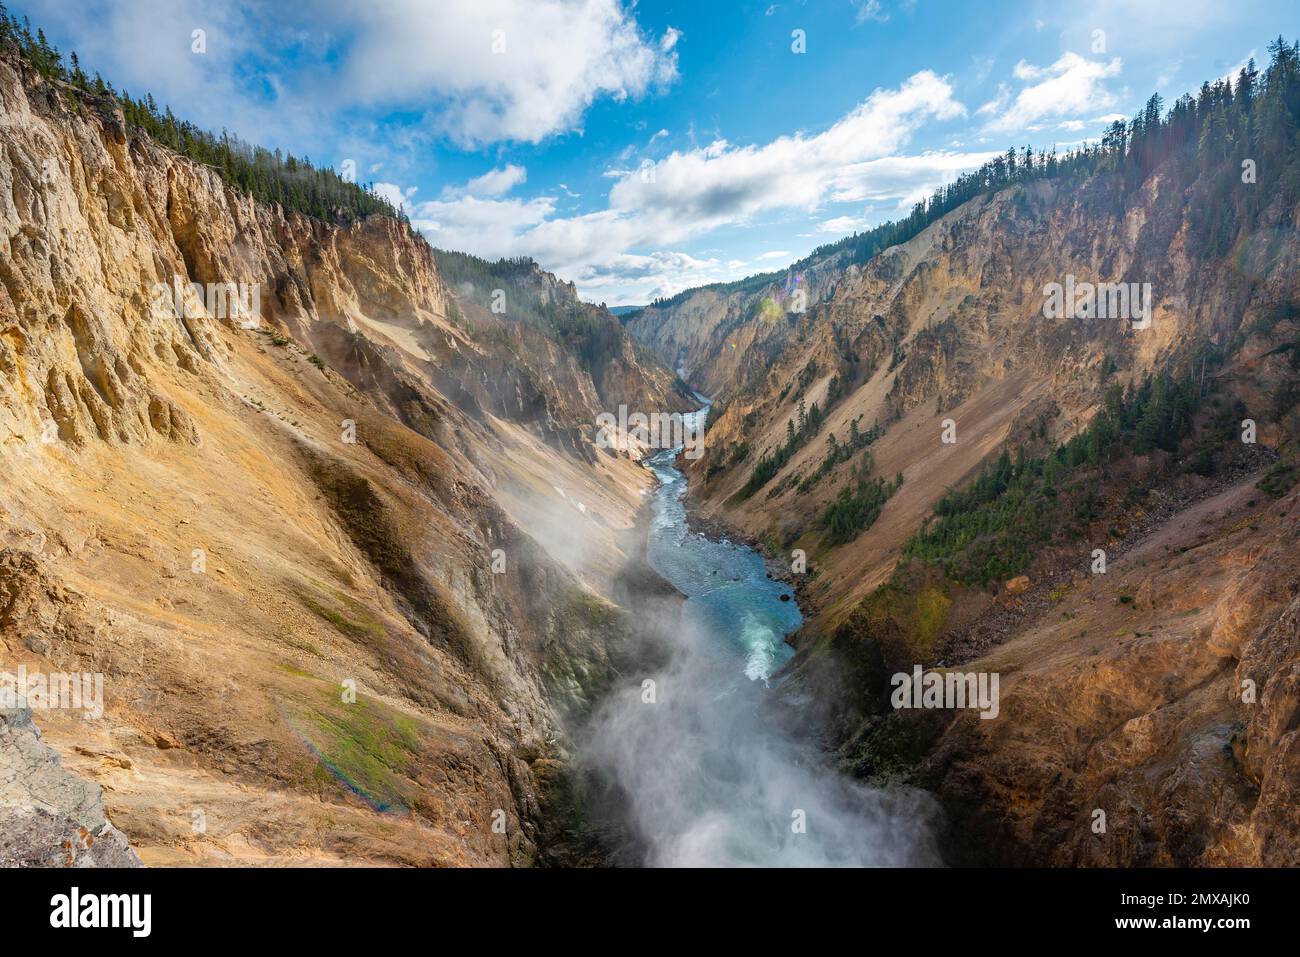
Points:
[(1140, 692), (950, 325), (343, 564)]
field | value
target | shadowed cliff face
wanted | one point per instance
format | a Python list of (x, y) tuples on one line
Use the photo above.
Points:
[(1121, 692), (345, 570)]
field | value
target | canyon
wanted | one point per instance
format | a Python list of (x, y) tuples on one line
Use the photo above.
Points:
[(366, 586)]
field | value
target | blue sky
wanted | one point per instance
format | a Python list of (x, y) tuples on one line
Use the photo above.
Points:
[(639, 149)]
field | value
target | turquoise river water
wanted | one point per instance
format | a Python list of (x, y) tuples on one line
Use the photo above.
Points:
[(710, 774)]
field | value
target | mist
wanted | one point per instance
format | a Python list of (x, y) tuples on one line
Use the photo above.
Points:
[(708, 779), (696, 753)]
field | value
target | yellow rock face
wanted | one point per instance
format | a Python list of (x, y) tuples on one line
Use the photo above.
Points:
[(276, 543)]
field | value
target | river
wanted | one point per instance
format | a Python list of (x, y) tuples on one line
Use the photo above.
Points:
[(710, 776)]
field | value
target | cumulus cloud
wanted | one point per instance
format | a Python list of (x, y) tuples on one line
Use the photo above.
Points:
[(1071, 85), (400, 198), (489, 227), (660, 273), (842, 225), (688, 193), (693, 191), (901, 177), (721, 183), (495, 182), (476, 71), (495, 70)]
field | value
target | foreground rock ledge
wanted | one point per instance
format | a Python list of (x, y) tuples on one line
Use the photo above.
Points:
[(50, 817)]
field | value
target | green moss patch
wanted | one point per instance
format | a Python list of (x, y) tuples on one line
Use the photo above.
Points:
[(354, 620), (369, 748)]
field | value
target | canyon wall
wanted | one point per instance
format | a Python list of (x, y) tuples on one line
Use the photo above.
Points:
[(345, 566), (1158, 693)]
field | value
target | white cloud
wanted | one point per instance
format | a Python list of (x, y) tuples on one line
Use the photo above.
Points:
[(900, 177), (1231, 75), (661, 273), (400, 198), (869, 10), (495, 182), (488, 227), (998, 103), (436, 60), (709, 186), (498, 70), (842, 225), (773, 254), (1097, 121), (689, 193), (1069, 86)]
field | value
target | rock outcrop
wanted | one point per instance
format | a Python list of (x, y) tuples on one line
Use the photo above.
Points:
[(50, 817)]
